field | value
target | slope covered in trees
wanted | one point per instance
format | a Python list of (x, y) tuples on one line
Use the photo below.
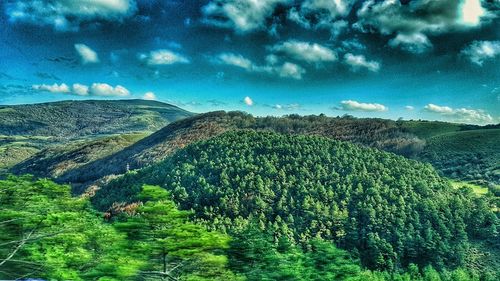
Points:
[(406, 138), (388, 210)]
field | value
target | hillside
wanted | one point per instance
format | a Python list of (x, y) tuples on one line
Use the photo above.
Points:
[(28, 129), (390, 210), (468, 155), (408, 138)]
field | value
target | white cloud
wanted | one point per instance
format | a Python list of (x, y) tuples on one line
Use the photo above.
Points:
[(322, 14), (480, 51), (103, 89), (235, 60), (335, 8), (413, 21), (416, 43), (309, 52), (292, 106), (149, 96), (409, 107), (477, 116), (424, 16), (290, 70), (80, 89), (54, 88), (163, 57), (248, 101), (439, 109), (241, 15), (285, 70), (351, 105), (357, 62), (67, 15), (87, 55), (96, 89)]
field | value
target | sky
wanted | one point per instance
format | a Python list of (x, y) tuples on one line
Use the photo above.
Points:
[(410, 59)]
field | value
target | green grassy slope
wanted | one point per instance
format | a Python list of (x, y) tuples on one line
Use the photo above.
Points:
[(69, 119), (27, 129)]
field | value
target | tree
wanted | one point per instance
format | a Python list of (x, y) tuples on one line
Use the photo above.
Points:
[(49, 234), (174, 247)]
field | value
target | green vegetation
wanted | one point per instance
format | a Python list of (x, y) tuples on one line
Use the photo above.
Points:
[(389, 211), (70, 119), (55, 161), (467, 155), (48, 234), (26, 130)]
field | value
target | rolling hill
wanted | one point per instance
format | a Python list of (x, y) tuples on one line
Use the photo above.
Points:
[(28, 129), (413, 139)]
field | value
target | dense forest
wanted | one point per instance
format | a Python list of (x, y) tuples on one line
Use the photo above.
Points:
[(388, 211), (48, 234)]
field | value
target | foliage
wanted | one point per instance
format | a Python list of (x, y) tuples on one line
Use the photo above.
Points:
[(390, 210), (173, 247), (47, 233)]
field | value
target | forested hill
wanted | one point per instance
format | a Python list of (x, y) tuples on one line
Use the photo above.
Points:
[(69, 119), (389, 210), (413, 139)]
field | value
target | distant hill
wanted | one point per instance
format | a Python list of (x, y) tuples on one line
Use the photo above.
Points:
[(70, 119), (412, 139), (28, 129)]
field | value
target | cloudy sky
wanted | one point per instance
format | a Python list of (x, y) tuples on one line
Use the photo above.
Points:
[(428, 59)]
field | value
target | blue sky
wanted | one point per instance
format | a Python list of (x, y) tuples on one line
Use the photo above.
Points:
[(416, 59)]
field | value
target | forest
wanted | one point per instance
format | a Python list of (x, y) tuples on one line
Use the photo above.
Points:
[(49, 234)]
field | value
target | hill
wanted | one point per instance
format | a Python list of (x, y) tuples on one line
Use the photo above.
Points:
[(28, 129), (468, 155), (407, 138), (390, 210)]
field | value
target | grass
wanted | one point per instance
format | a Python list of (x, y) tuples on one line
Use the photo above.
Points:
[(477, 189), (428, 129)]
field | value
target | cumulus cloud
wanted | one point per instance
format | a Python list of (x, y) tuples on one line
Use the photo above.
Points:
[(248, 101), (87, 55), (241, 15), (149, 96), (163, 57), (305, 51), (322, 14), (414, 20), (480, 51), (54, 88), (103, 89), (409, 107), (289, 70), (80, 89), (357, 62), (477, 116), (334, 8), (416, 43), (285, 70), (235, 60), (351, 105), (64, 15)]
